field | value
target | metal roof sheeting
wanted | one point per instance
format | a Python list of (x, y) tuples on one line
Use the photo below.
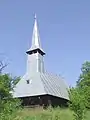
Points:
[(41, 84)]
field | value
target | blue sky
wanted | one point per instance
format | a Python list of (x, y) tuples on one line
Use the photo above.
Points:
[(64, 27)]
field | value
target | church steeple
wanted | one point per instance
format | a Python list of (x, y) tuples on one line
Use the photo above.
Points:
[(36, 45), (35, 37), (35, 61)]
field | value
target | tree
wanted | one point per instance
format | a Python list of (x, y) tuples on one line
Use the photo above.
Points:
[(15, 80), (83, 82), (77, 103), (2, 66), (8, 105), (80, 95)]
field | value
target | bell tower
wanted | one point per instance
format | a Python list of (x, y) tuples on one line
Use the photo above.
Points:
[(35, 54)]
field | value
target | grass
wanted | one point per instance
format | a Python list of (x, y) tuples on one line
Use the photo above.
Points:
[(49, 114)]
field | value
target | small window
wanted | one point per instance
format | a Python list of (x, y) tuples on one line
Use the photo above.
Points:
[(27, 81)]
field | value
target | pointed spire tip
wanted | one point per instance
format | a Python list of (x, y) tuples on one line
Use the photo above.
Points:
[(35, 16)]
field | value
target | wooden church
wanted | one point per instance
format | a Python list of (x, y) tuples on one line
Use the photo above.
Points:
[(38, 87)]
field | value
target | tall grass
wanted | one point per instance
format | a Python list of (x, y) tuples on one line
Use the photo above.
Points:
[(48, 114)]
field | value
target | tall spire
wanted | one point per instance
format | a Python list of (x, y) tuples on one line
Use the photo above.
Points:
[(35, 39), (35, 36)]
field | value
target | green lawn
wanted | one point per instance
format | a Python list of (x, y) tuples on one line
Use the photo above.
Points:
[(50, 114)]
